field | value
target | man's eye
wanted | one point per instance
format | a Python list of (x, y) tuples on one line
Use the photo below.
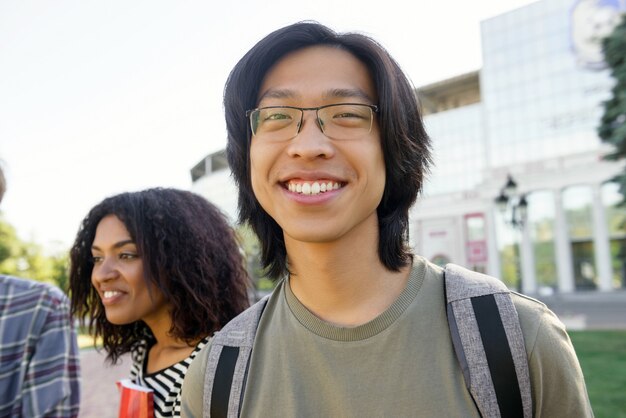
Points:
[(348, 115), (277, 116)]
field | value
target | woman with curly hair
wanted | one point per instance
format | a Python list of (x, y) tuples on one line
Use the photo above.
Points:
[(156, 273)]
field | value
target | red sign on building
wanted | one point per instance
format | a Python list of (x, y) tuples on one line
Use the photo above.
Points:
[(476, 238)]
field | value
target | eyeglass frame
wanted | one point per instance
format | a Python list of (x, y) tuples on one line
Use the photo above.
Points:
[(374, 109)]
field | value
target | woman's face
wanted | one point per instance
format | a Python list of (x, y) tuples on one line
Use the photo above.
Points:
[(118, 277)]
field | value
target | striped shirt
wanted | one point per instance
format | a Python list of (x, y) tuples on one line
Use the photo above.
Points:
[(166, 383), (39, 360)]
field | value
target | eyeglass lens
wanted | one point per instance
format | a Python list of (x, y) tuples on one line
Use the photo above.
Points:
[(340, 121)]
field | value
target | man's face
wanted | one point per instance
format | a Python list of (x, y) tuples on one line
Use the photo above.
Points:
[(319, 189)]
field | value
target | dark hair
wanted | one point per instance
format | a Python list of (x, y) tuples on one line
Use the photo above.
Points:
[(188, 251), (405, 144)]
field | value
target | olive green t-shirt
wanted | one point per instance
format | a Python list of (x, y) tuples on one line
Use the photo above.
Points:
[(401, 364)]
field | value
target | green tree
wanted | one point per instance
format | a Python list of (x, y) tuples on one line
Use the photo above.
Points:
[(10, 246), (34, 264), (28, 259), (612, 128), (60, 268), (252, 249)]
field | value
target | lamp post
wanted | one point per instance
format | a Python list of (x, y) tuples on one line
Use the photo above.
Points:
[(514, 210)]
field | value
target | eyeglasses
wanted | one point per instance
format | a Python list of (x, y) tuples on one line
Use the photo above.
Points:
[(337, 121)]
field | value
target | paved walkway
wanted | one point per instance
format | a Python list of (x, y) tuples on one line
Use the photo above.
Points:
[(100, 398), (589, 310)]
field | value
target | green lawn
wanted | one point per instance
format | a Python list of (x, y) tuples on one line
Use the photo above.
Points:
[(602, 356)]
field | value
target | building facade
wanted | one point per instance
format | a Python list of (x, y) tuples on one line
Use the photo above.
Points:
[(530, 113), (212, 179)]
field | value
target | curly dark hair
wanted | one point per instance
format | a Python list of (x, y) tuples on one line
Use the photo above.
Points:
[(405, 144), (188, 251)]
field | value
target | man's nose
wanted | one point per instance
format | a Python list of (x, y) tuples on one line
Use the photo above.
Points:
[(311, 141)]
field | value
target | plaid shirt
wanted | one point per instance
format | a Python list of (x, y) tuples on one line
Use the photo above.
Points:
[(39, 360)]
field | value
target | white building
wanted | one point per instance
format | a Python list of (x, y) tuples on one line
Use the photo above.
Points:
[(531, 112), (211, 178)]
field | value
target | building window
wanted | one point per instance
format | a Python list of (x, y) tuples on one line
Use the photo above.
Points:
[(508, 239), (476, 242), (541, 213), (616, 220), (198, 171), (577, 202)]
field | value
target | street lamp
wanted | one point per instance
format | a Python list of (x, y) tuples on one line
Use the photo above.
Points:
[(511, 204), (514, 209)]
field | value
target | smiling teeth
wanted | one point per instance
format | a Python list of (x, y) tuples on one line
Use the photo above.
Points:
[(312, 188), (111, 293)]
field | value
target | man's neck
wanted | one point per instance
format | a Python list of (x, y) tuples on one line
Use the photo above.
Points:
[(343, 282)]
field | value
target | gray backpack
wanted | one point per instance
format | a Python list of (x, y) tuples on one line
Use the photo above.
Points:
[(485, 332)]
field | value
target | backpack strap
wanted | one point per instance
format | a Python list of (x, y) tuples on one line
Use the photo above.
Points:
[(488, 343), (227, 364)]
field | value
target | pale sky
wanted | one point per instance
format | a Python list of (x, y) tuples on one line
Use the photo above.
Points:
[(102, 97)]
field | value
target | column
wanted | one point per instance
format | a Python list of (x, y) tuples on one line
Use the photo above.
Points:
[(493, 261), (564, 262), (602, 250)]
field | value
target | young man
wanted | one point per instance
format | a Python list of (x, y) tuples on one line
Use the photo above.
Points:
[(327, 146), (39, 359)]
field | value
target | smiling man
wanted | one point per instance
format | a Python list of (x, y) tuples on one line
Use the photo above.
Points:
[(328, 149)]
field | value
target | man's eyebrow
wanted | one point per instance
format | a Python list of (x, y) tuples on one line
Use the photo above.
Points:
[(116, 245), (329, 94), (278, 94), (348, 93)]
